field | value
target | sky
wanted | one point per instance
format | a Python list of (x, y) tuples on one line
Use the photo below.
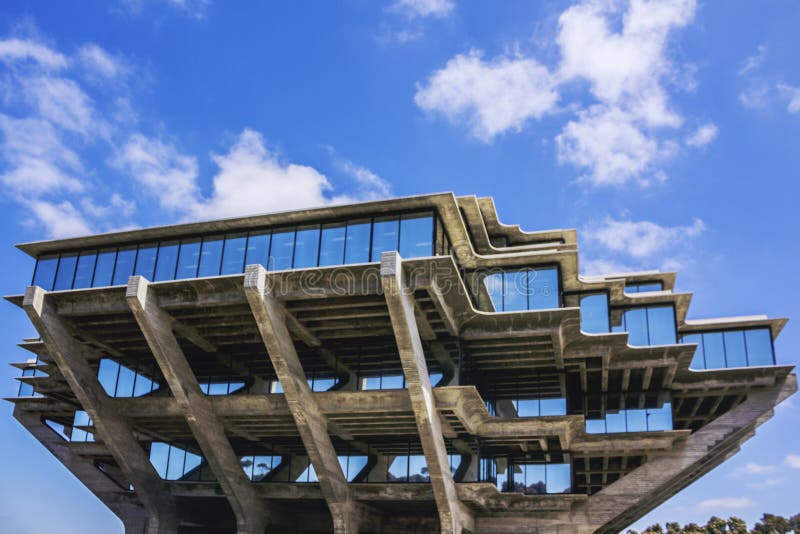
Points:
[(665, 131)]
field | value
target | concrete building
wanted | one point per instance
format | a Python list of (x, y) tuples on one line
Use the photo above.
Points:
[(408, 365)]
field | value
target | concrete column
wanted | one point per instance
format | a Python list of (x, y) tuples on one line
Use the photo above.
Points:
[(111, 426), (454, 516), (156, 325), (270, 315)]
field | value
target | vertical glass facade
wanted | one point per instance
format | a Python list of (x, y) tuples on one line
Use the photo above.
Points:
[(649, 325), (749, 347), (122, 381), (173, 462), (594, 313), (528, 289), (644, 287), (633, 420), (526, 477)]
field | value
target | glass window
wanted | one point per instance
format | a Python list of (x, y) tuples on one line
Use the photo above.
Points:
[(233, 253), (392, 382), (125, 382), (66, 271), (534, 478), (417, 469), (45, 272), (636, 420), (370, 383), (660, 418), (146, 261), (661, 325), (735, 353), (714, 349), (556, 406), (527, 408), (218, 388), (262, 465), (188, 259), (159, 456), (634, 321), (398, 469), (416, 236), (759, 347), (494, 286), (595, 426), (615, 422), (331, 250), (85, 269), (143, 385), (175, 464), (257, 249), (126, 257), (594, 313), (104, 269), (306, 247), (167, 259), (191, 463), (558, 478), (282, 250), (211, 256), (543, 289), (698, 361), (515, 291), (107, 376), (384, 236), (357, 241)]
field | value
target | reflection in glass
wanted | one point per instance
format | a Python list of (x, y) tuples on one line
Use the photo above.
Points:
[(384, 236), (104, 268), (45, 272), (281, 251), (416, 236), (211, 256), (188, 259), (543, 289), (594, 313), (759, 347), (166, 261), (233, 253), (85, 270), (357, 241), (735, 353), (306, 247), (257, 249), (66, 270), (331, 250), (398, 469), (146, 261), (126, 257)]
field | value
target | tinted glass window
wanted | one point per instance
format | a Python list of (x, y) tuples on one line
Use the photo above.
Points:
[(175, 464), (714, 350), (735, 354), (167, 259), (594, 313), (331, 251), (258, 249), (384, 236), (660, 418), (159, 454), (494, 286), (558, 478), (126, 258), (416, 236), (211, 256), (66, 270), (543, 289), (282, 250), (698, 362), (143, 384), (188, 258), (635, 323), (85, 269), (146, 261), (515, 291), (759, 347), (398, 469), (104, 269), (45, 271), (125, 382), (556, 406), (636, 420), (534, 479), (615, 422), (417, 469), (661, 325), (357, 242), (107, 375), (233, 253), (306, 247)]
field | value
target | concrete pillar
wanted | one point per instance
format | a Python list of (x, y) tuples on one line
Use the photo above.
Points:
[(454, 516), (156, 325)]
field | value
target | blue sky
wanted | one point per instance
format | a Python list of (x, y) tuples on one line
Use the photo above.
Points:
[(665, 131)]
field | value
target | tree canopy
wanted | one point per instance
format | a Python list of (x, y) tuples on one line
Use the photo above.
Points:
[(769, 524)]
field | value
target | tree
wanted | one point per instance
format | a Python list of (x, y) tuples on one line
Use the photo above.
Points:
[(769, 524)]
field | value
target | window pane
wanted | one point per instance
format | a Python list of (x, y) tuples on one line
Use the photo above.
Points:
[(357, 242), (595, 426), (384, 236), (398, 469), (417, 469), (714, 350), (734, 349), (281, 251), (191, 463), (175, 466), (494, 286), (167, 258), (331, 251), (211, 256), (306, 247), (615, 422), (650, 286), (543, 289), (233, 253), (594, 313), (85, 269), (636, 420), (158, 457), (262, 465), (354, 466), (557, 406), (558, 478), (515, 290), (660, 418), (125, 382), (126, 257), (258, 249), (635, 323), (698, 362), (146, 261), (188, 258), (45, 271), (370, 383), (392, 382), (416, 236), (218, 388), (528, 408), (143, 384), (107, 375), (661, 324), (66, 270), (759, 347), (104, 269), (534, 479)]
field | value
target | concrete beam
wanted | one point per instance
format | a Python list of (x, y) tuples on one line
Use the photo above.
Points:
[(454, 516), (271, 317), (111, 426), (208, 430)]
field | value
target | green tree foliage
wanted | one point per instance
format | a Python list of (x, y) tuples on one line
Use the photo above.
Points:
[(769, 524)]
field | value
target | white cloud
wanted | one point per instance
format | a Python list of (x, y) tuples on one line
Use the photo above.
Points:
[(793, 461), (725, 503), (754, 61), (373, 186), (754, 469), (755, 95), (98, 61), (423, 8), (704, 135), (12, 50), (491, 96), (60, 219), (62, 102), (602, 266), (792, 94), (193, 8), (640, 239)]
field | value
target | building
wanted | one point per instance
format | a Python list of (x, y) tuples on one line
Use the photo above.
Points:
[(408, 365)]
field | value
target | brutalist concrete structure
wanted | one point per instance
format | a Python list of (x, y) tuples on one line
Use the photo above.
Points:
[(408, 365)]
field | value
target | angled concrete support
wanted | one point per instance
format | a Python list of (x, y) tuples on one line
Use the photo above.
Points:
[(270, 315), (454, 516), (157, 327), (111, 426)]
